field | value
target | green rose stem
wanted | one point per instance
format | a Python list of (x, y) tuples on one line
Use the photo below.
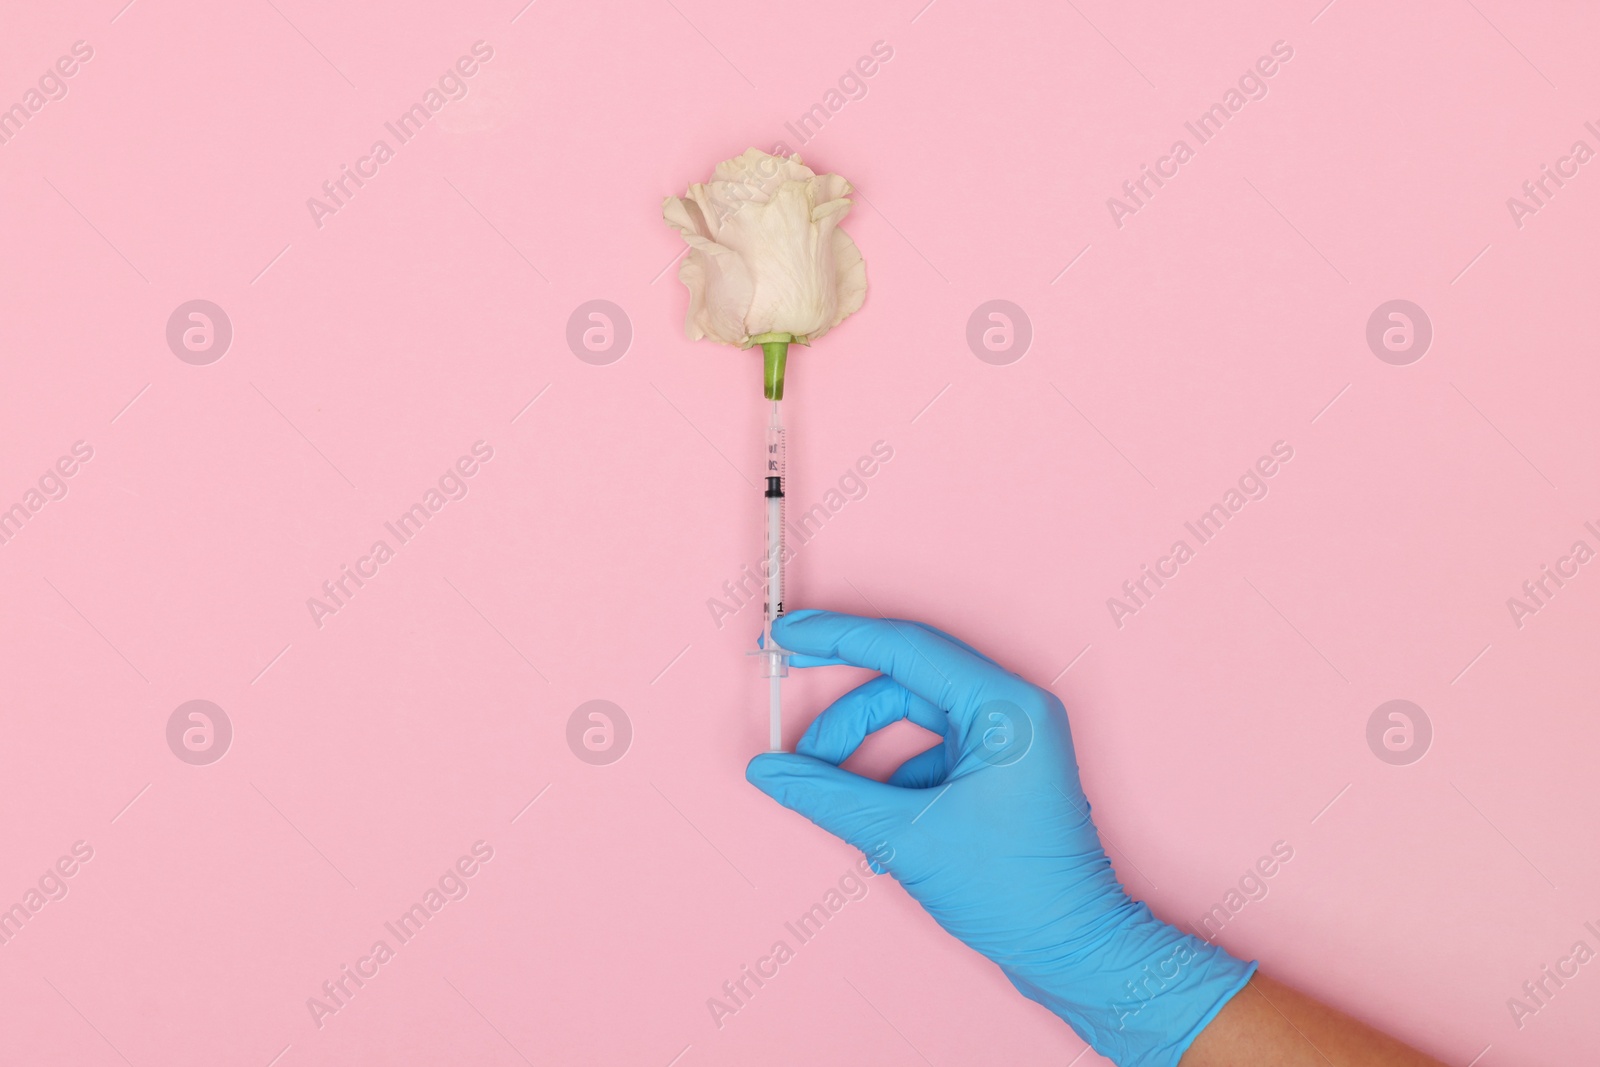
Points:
[(775, 353)]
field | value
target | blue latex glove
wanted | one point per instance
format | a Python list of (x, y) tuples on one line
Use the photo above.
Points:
[(990, 832)]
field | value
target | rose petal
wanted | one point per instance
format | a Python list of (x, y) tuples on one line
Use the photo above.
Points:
[(851, 280), (685, 216), (720, 292), (789, 258)]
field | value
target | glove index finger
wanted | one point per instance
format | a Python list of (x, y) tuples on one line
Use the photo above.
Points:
[(800, 659), (927, 663)]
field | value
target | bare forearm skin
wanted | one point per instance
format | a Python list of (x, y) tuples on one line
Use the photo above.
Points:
[(1270, 1025)]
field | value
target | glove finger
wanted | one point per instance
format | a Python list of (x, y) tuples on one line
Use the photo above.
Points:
[(799, 660), (922, 771), (928, 664), (856, 809), (955, 641), (836, 733)]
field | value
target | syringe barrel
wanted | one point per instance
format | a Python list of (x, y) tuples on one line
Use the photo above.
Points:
[(776, 515), (774, 660)]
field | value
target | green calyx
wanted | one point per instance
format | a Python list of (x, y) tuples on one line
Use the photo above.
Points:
[(775, 356)]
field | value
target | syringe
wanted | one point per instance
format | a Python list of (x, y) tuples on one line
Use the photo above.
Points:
[(774, 660)]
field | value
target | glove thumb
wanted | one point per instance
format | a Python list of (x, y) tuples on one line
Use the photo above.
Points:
[(865, 813)]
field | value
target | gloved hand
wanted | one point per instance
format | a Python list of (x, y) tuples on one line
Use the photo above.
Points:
[(990, 832)]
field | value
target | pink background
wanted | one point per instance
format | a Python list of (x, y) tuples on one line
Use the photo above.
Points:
[(368, 354)]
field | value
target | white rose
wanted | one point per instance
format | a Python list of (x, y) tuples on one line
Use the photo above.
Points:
[(766, 255)]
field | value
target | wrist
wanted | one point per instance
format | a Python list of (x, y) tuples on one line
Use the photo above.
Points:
[(1143, 993)]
